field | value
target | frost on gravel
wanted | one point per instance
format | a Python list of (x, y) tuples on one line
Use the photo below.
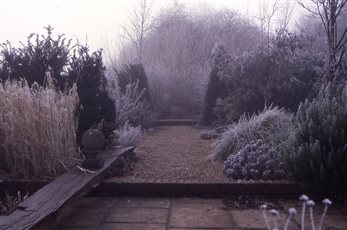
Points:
[(255, 161)]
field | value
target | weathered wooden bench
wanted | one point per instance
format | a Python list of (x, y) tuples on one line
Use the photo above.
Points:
[(43, 208)]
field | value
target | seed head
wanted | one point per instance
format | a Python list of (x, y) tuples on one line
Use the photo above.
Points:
[(263, 207), (273, 212), (327, 202), (310, 203), (292, 211), (303, 198)]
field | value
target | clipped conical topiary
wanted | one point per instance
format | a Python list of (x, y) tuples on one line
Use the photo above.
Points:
[(319, 163), (216, 87), (133, 73)]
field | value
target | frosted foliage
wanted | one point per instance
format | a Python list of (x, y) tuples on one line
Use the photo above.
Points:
[(128, 135), (220, 59), (130, 106), (255, 161), (37, 130), (272, 125)]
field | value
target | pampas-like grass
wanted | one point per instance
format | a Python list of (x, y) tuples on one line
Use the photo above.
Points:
[(37, 130), (272, 125)]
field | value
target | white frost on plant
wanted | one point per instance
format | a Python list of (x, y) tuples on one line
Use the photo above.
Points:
[(128, 135)]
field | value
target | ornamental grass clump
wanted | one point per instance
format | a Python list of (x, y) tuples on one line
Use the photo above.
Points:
[(273, 126), (37, 130), (319, 162)]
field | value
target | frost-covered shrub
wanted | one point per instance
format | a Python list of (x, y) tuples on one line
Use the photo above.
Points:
[(319, 162), (128, 135), (283, 75), (130, 106), (255, 161), (273, 126)]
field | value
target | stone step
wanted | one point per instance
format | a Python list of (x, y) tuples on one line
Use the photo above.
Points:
[(172, 122)]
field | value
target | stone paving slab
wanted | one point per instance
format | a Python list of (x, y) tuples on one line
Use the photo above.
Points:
[(333, 218), (77, 228), (187, 202), (205, 228), (250, 218), (330, 222), (198, 213), (131, 202), (85, 218), (137, 213), (132, 226)]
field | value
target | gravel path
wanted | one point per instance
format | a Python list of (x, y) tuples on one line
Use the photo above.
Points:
[(175, 153)]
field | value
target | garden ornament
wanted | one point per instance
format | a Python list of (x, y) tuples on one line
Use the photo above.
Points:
[(92, 140)]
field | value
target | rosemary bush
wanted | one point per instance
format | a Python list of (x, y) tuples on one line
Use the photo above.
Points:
[(319, 163)]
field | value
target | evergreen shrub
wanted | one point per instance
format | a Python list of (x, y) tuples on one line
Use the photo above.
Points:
[(38, 54), (283, 74), (216, 87), (96, 107), (133, 74), (319, 163)]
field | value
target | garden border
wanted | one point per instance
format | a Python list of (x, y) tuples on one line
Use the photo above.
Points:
[(165, 188)]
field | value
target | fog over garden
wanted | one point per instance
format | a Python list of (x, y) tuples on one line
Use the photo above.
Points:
[(212, 91)]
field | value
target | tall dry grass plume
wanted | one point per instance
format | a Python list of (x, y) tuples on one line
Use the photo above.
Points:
[(37, 130)]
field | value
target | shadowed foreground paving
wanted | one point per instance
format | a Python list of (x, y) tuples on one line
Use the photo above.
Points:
[(172, 214)]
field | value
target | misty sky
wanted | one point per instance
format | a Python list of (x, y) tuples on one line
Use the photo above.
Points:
[(97, 21)]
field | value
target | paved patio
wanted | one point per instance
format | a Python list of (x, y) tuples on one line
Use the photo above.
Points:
[(128, 213)]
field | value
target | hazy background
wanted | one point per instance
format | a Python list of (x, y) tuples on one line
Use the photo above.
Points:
[(95, 21)]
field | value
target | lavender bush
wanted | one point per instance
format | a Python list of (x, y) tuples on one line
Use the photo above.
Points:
[(255, 161)]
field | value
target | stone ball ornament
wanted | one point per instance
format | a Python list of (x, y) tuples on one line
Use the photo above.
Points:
[(92, 140)]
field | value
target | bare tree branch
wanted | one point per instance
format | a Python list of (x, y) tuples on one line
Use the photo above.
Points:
[(329, 12), (139, 25)]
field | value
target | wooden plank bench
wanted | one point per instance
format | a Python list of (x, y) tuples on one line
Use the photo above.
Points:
[(40, 209)]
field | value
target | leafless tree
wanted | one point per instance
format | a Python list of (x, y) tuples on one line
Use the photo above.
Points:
[(286, 10), (330, 12), (266, 14), (140, 22)]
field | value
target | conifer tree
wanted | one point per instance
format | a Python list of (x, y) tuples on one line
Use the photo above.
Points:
[(216, 87)]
